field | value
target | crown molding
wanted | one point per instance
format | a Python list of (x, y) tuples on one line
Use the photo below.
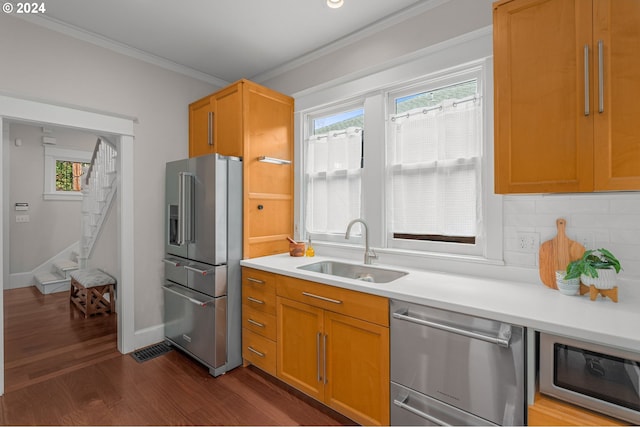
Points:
[(98, 40), (376, 27)]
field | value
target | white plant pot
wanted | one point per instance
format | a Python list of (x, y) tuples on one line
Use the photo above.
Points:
[(606, 279), (567, 287)]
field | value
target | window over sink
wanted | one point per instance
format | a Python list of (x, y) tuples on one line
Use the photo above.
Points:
[(424, 178)]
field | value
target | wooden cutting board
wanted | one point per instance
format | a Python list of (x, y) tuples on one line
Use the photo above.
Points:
[(556, 254)]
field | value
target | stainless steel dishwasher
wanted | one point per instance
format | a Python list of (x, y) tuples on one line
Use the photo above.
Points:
[(449, 368)]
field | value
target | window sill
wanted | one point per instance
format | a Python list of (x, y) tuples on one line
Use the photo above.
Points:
[(75, 195)]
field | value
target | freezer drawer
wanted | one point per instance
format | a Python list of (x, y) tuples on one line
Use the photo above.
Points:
[(205, 278), (471, 363), (410, 408), (191, 322)]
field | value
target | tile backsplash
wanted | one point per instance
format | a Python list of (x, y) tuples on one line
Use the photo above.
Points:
[(610, 220)]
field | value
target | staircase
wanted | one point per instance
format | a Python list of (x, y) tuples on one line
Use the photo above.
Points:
[(58, 279), (98, 191)]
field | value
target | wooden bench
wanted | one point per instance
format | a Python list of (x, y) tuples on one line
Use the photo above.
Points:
[(89, 289)]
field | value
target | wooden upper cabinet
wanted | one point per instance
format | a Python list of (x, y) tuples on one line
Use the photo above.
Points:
[(201, 125), (253, 122), (617, 117), (550, 135), (228, 123)]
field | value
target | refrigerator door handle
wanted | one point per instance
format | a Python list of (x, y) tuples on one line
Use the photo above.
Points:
[(185, 201)]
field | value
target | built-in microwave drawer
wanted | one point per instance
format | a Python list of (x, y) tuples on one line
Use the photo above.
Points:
[(594, 376), (205, 278)]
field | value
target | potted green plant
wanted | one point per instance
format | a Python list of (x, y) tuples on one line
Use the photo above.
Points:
[(597, 267)]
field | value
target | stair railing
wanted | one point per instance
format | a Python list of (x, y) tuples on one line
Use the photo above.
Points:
[(98, 191)]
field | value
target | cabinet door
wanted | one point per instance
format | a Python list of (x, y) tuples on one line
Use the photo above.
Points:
[(228, 121), (268, 131), (201, 123), (543, 110), (357, 365), (299, 341), (617, 99)]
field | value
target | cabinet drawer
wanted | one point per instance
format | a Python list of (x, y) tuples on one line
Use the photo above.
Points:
[(258, 299), (259, 279), (363, 306), (259, 290), (259, 322), (259, 351)]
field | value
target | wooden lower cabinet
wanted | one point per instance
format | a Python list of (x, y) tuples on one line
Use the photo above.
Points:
[(259, 319), (337, 359), (548, 411)]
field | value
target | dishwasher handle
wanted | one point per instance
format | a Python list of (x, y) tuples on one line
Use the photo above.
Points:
[(503, 339), (402, 404)]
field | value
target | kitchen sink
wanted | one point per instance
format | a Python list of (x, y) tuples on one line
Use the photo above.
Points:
[(364, 273)]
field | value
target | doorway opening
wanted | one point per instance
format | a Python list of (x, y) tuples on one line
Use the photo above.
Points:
[(120, 130)]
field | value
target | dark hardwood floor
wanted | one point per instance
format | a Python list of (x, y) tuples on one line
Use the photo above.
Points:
[(62, 369)]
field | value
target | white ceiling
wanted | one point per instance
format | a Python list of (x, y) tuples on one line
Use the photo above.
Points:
[(226, 39)]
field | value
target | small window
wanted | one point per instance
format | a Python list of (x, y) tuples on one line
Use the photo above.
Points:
[(63, 172), (333, 165), (69, 174)]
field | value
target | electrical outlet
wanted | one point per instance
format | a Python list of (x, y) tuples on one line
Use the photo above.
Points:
[(586, 239), (527, 241), (22, 218)]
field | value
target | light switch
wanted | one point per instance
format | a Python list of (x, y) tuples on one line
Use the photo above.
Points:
[(22, 218)]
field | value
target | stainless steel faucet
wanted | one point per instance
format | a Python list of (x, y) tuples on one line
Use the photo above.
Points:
[(369, 254)]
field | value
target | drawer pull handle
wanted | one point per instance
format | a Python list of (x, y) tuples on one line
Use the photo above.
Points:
[(199, 271), (502, 339), (251, 279), (586, 80), (415, 411), (253, 322), (172, 262), (335, 301), (257, 301), (253, 350)]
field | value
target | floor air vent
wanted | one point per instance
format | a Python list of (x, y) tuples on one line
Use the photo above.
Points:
[(150, 352)]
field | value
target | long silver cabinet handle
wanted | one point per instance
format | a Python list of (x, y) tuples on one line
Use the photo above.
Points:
[(274, 160), (257, 301), (191, 300), (318, 356), (324, 357), (210, 128), (335, 301), (253, 350), (586, 80), (254, 323), (418, 412), (251, 279), (197, 270), (502, 342), (172, 262), (600, 76)]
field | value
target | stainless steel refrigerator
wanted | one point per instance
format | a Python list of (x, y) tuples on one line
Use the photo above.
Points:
[(203, 248)]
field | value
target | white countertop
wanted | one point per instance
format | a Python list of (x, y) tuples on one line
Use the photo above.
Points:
[(531, 305)]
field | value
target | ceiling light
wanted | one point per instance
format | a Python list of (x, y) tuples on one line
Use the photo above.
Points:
[(334, 4)]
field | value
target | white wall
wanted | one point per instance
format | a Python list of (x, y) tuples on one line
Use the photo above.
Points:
[(53, 224), (42, 64), (604, 220)]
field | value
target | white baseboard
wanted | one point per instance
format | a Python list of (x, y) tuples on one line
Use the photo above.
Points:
[(148, 336), (20, 280)]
